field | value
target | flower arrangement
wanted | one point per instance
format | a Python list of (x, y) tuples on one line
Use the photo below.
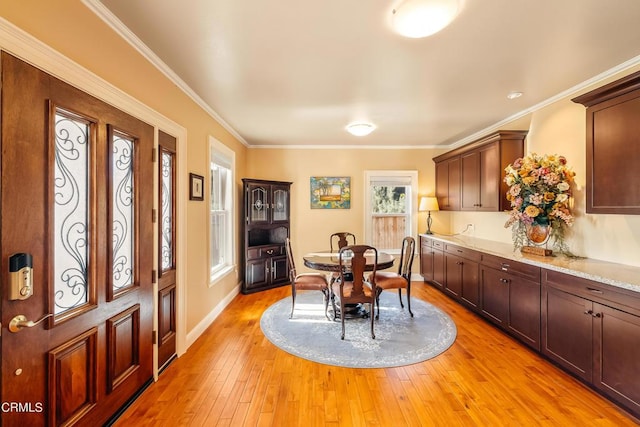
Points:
[(539, 192)]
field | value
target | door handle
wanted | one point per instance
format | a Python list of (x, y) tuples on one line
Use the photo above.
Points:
[(20, 321)]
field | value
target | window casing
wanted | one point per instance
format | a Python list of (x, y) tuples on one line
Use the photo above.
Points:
[(221, 210), (390, 207)]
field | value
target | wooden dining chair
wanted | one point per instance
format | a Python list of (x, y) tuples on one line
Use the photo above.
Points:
[(385, 280), (341, 239), (352, 288), (305, 281), (338, 241)]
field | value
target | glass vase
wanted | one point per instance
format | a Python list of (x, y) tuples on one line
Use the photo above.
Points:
[(538, 234)]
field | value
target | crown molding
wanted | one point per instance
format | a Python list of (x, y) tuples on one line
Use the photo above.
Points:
[(19, 43), (123, 31)]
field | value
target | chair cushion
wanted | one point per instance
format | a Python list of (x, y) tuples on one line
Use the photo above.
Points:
[(311, 281), (389, 280)]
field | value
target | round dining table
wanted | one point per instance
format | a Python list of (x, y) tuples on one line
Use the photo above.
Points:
[(330, 261)]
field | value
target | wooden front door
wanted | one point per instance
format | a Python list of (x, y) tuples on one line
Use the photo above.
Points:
[(77, 197), (167, 250)]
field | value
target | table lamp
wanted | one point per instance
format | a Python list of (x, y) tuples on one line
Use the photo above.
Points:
[(428, 204)]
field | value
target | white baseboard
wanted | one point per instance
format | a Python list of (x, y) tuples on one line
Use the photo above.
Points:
[(199, 329), (416, 277)]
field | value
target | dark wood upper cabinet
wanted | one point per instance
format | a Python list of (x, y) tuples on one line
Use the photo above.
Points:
[(470, 178), (481, 179), (613, 147), (448, 184)]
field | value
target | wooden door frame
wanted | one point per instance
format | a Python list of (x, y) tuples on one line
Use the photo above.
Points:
[(27, 48)]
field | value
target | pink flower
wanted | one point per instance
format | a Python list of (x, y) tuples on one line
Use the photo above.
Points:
[(536, 199)]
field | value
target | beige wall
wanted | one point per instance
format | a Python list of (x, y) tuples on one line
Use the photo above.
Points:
[(311, 228), (561, 128)]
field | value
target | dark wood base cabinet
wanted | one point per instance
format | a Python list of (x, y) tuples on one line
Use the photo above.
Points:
[(461, 274), (589, 328), (510, 297), (593, 331), (432, 261)]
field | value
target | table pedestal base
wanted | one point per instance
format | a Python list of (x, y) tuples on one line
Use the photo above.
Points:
[(352, 311)]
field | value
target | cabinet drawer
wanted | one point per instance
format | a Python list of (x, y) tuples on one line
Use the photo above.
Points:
[(425, 242), (265, 251), (462, 252), (437, 244), (514, 267), (593, 291)]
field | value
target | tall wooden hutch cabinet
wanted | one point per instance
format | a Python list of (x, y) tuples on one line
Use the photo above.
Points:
[(266, 227)]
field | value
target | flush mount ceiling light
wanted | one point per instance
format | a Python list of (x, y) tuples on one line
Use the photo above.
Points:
[(422, 18), (514, 95), (360, 128)]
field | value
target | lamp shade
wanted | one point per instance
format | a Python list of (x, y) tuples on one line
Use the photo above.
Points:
[(422, 18), (428, 204)]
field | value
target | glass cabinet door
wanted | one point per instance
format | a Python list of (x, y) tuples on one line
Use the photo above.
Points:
[(280, 204), (258, 204)]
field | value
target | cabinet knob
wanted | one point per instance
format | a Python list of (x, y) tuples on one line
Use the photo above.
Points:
[(589, 312), (505, 281), (598, 315)]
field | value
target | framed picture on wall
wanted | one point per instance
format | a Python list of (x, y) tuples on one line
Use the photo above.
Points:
[(330, 192), (196, 187)]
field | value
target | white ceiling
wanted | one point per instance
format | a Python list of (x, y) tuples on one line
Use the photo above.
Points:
[(296, 72)]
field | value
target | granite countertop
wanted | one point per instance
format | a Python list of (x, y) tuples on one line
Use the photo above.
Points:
[(619, 275)]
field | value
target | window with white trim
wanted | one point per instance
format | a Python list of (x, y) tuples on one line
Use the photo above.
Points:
[(221, 213), (390, 207)]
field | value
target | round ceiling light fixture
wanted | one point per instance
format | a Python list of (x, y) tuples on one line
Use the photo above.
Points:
[(360, 128), (422, 18), (514, 95)]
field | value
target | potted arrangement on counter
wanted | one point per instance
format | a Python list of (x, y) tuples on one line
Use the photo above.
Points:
[(540, 195)]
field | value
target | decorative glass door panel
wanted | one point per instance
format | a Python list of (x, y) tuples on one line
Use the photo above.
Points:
[(123, 211), (280, 205), (70, 212), (259, 205), (166, 217)]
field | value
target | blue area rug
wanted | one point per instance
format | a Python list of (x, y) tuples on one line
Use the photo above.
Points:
[(400, 339)]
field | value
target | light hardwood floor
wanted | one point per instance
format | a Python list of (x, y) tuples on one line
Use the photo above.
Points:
[(233, 376)]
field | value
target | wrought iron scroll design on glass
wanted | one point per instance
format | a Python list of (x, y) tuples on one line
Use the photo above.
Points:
[(122, 210), (70, 210), (166, 250)]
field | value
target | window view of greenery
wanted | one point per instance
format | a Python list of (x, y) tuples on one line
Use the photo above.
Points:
[(389, 200)]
